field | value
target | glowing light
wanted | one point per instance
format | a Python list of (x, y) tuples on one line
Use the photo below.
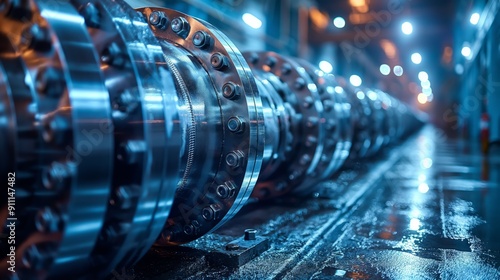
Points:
[(474, 18), (422, 98), (398, 70), (360, 95), (385, 69), (427, 91), (459, 69), (339, 22), (372, 95), (407, 28), (414, 224), (466, 52), (423, 188), (422, 177), (339, 89), (355, 80), (326, 66), (389, 48), (251, 20), (426, 163), (318, 18), (423, 76), (426, 84), (416, 58), (415, 213)]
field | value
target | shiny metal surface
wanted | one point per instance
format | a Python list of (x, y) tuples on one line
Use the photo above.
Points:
[(131, 127)]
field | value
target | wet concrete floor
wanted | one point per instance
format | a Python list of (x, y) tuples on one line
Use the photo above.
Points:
[(427, 209)]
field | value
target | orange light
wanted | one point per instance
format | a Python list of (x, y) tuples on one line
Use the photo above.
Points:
[(447, 55), (360, 6), (318, 18), (422, 98), (357, 18), (362, 9), (357, 3), (389, 48)]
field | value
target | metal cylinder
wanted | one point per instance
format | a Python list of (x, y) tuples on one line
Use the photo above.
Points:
[(124, 128)]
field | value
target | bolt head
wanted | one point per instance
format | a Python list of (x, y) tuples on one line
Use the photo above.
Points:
[(231, 91), (91, 14), (211, 212), (286, 69), (180, 26), (56, 176), (36, 38), (250, 234), (226, 190), (201, 40), (300, 83), (271, 61), (50, 81), (132, 151), (158, 19), (219, 61), (236, 124), (57, 130), (114, 56), (234, 159), (47, 220), (308, 102)]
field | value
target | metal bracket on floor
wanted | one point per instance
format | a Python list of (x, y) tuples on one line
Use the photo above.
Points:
[(240, 251)]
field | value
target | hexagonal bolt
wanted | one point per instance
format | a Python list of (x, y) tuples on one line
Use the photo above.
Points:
[(158, 20), (236, 124), (180, 26), (312, 121), (331, 125), (192, 228), (57, 130), (250, 234), (328, 105), (131, 151), (305, 159), (235, 159), (91, 14), (113, 232), (38, 256), (202, 40), (57, 176), (286, 69), (226, 190), (212, 212), (311, 140), (36, 38), (125, 196), (48, 220), (325, 158), (271, 61), (308, 102), (299, 84), (127, 101), (114, 56), (16, 10), (254, 58), (219, 61), (50, 81), (231, 91)]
